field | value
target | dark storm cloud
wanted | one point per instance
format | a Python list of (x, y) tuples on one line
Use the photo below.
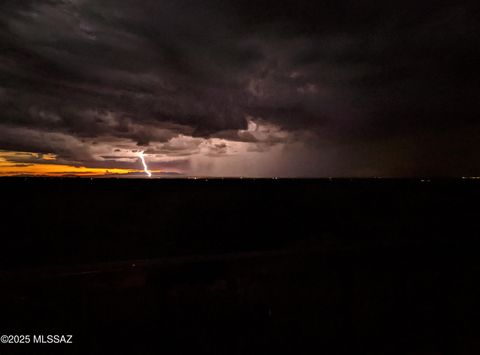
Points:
[(380, 86), (63, 60)]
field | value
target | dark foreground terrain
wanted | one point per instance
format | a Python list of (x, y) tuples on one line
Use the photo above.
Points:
[(241, 266)]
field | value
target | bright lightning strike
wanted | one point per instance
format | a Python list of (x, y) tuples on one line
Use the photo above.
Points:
[(145, 167)]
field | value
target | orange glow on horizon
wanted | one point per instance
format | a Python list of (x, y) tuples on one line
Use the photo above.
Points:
[(47, 167), (57, 170)]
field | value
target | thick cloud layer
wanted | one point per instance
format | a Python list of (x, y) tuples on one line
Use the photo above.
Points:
[(260, 88)]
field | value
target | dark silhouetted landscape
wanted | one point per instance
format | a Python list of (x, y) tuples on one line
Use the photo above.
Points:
[(242, 266)]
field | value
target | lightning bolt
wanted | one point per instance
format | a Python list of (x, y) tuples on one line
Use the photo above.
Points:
[(145, 167)]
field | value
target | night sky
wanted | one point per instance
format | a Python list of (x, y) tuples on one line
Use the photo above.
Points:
[(240, 88)]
